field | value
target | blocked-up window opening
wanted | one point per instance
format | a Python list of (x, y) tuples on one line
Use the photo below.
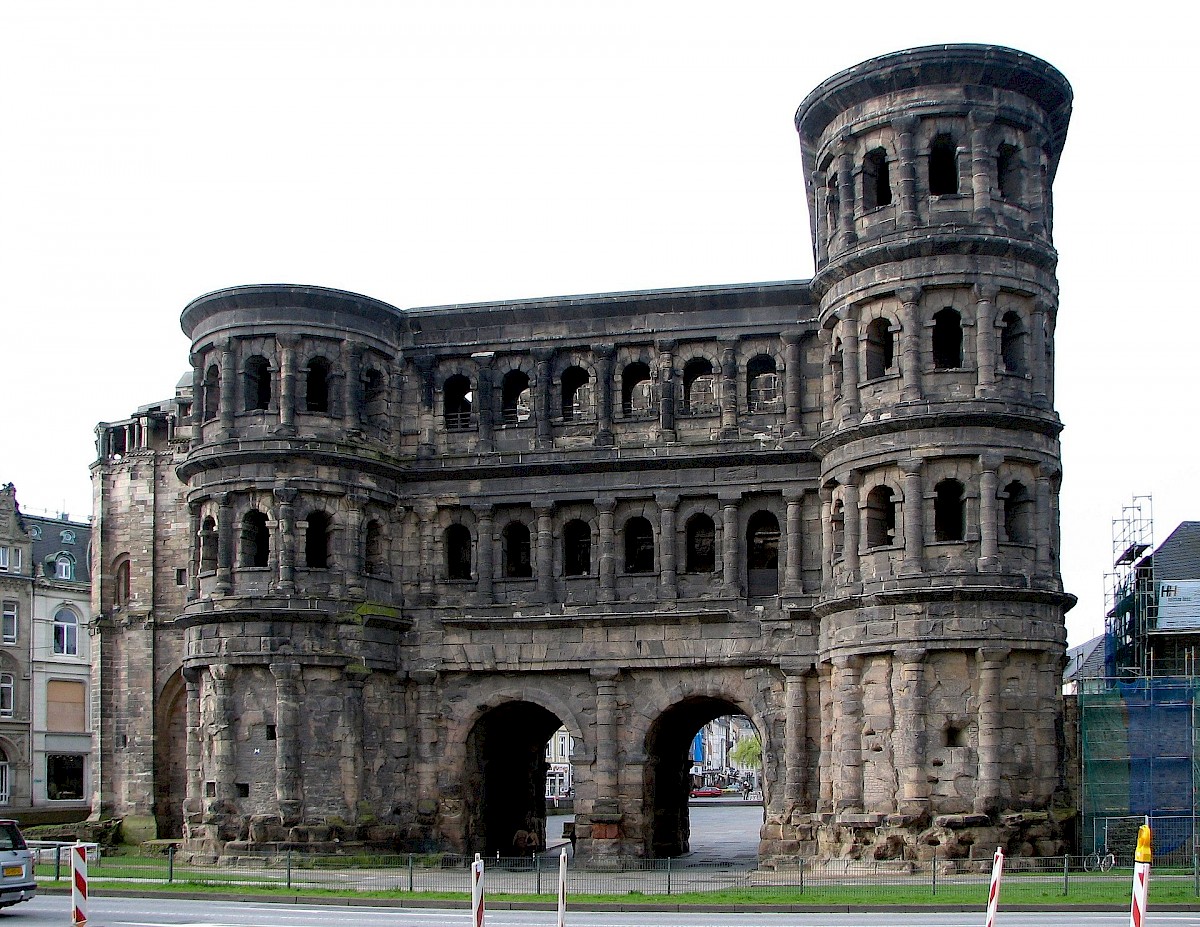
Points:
[(1014, 340), (66, 632), (1008, 172), (837, 518), (457, 542), (316, 540), (517, 550), (832, 197), (1018, 513), (639, 546), (255, 541), (64, 776), (208, 545), (947, 340), (762, 384), (835, 365), (457, 400), (880, 349), (943, 166), (949, 511), (955, 735), (576, 393), (701, 535), (637, 394), (212, 393), (256, 385), (876, 180), (577, 548), (316, 391), (66, 702), (375, 405), (881, 517), (699, 387), (762, 554), (516, 401), (373, 548)]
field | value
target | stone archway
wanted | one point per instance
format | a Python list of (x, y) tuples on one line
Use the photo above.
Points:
[(667, 782), (170, 757), (505, 779)]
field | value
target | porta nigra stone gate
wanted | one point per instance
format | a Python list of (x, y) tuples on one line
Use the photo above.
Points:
[(364, 563)]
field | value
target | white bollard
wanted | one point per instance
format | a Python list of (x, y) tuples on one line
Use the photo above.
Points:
[(562, 889), (994, 891), (79, 886), (477, 891), (1141, 878)]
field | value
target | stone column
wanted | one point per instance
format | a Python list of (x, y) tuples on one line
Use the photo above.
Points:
[(795, 730), (1045, 738), (195, 786), (847, 748), (285, 542), (428, 717), (819, 181), (826, 759), (911, 737), (485, 556), (197, 361), (903, 129), (1039, 368), (289, 768), (729, 391), (352, 410), (668, 586), (793, 388), (541, 397), (982, 162), (826, 540), (545, 551), (850, 405), (605, 779), (914, 506), (828, 387), (224, 584), (989, 528), (193, 550), (605, 506), (1049, 324), (1043, 521), (911, 335), (228, 388), (991, 742), (985, 340), (424, 365), (793, 576), (604, 393), (666, 391), (221, 733), (355, 556), (287, 382), (850, 551), (353, 761), (730, 582), (845, 161), (485, 402), (426, 513)]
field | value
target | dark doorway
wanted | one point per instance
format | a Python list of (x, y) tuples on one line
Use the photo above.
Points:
[(170, 758)]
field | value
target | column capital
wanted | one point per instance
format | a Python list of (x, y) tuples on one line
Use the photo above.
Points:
[(796, 666), (912, 654), (287, 339), (909, 295), (423, 677), (987, 291), (667, 500), (905, 125), (979, 117), (911, 466), (666, 345), (284, 672), (604, 349), (543, 507), (729, 497), (990, 460), (543, 355), (847, 661), (993, 654), (606, 505), (604, 674), (794, 494), (483, 509)]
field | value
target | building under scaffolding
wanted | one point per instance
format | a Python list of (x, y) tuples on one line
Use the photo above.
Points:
[(1139, 709)]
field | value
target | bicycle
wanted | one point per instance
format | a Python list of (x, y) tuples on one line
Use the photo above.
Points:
[(1102, 859)]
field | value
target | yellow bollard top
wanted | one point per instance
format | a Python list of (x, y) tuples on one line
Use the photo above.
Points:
[(1143, 854)]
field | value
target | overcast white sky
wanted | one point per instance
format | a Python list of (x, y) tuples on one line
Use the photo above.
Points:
[(430, 153)]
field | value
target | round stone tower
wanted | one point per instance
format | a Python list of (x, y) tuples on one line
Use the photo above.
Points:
[(942, 637)]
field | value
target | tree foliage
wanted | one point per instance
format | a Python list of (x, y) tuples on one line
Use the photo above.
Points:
[(747, 752)]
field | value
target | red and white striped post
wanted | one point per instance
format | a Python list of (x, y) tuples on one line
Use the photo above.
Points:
[(562, 889), (79, 886), (1141, 878), (994, 891), (477, 891)]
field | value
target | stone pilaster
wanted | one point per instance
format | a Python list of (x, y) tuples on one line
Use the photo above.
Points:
[(485, 402), (827, 540), (910, 343), (1040, 367), (730, 576), (729, 389), (793, 576), (285, 542), (850, 402), (985, 340), (605, 776), (910, 737), (853, 536), (795, 731), (847, 237), (352, 762), (544, 562), (828, 386), (990, 665), (228, 388), (287, 382), (847, 748), (668, 504), (604, 354), (355, 504), (903, 129), (221, 735), (289, 768), (485, 555), (428, 715), (224, 544), (982, 161), (605, 506), (543, 383), (989, 528), (352, 411), (914, 526), (793, 384)]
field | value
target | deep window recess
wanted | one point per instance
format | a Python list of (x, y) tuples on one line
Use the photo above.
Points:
[(576, 398), (316, 541), (517, 549), (876, 180), (212, 393), (316, 393), (64, 776), (208, 545), (881, 517), (121, 584), (880, 348), (699, 387), (515, 398), (257, 383), (832, 197), (457, 541), (255, 540), (837, 520), (762, 554), (701, 544), (947, 340), (1008, 172), (577, 548), (949, 511), (1013, 341), (762, 384), (943, 166), (66, 633), (637, 396), (457, 400), (11, 621), (1018, 514), (373, 557), (639, 546), (375, 405)]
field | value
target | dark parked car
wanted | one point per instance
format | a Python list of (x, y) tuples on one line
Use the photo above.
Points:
[(16, 866), (706, 791)]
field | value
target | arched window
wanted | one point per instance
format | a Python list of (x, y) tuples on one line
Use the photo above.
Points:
[(212, 393), (837, 519), (762, 554), (876, 180), (881, 517), (943, 166), (1013, 341), (316, 386), (576, 393), (457, 543), (701, 536), (456, 403), (1008, 172), (121, 582), (375, 404), (66, 632), (517, 562), (637, 397), (515, 401), (316, 540), (374, 558), (639, 546), (208, 545), (947, 340), (64, 567), (577, 548), (256, 383), (699, 387), (949, 511), (762, 384), (880, 348), (1018, 514), (255, 542)]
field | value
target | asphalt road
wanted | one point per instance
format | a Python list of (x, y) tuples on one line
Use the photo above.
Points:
[(138, 912)]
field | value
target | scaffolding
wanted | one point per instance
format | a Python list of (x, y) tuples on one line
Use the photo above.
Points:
[(1130, 600)]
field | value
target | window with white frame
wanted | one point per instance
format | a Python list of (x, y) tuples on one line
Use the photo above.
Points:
[(5, 793), (10, 625), (3, 559), (64, 568), (66, 633), (8, 692)]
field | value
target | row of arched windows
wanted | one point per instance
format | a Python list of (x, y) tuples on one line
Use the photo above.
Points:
[(316, 395), (946, 344)]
